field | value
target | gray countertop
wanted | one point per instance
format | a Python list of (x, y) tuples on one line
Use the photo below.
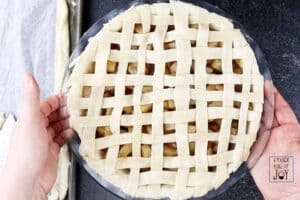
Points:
[(275, 25)]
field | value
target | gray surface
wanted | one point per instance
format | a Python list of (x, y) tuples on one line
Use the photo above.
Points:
[(275, 25), (27, 31)]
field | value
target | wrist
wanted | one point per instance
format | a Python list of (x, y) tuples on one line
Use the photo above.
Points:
[(14, 186)]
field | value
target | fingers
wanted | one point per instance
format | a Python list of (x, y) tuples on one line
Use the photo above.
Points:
[(60, 131), (52, 103), (275, 123), (30, 112), (49, 105), (59, 140), (60, 125), (54, 108), (51, 132), (55, 148), (67, 134), (268, 106), (63, 136), (59, 114), (283, 112), (290, 132)]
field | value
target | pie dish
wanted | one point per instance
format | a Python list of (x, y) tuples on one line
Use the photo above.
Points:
[(167, 100)]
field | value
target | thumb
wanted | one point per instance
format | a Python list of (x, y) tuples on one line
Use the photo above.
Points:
[(30, 109)]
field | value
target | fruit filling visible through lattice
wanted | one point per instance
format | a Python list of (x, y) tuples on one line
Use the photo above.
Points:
[(213, 66), (166, 100)]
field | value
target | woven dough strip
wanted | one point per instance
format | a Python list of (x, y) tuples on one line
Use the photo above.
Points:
[(156, 55)]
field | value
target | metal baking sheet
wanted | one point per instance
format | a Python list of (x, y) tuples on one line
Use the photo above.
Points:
[(75, 9)]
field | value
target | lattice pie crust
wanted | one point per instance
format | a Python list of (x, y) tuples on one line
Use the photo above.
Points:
[(167, 100)]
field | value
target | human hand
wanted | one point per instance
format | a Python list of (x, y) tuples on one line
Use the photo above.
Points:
[(284, 141), (42, 128)]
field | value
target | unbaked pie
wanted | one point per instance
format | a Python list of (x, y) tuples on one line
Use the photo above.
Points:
[(167, 100)]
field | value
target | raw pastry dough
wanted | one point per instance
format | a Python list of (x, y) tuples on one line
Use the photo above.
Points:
[(167, 100), (60, 188)]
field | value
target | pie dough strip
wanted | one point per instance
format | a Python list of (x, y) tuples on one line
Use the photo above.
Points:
[(181, 93), (125, 43), (227, 103), (171, 81), (164, 56), (169, 162), (201, 116), (134, 176), (169, 117), (173, 162), (238, 155), (125, 138), (146, 176), (147, 38), (168, 94), (157, 118)]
